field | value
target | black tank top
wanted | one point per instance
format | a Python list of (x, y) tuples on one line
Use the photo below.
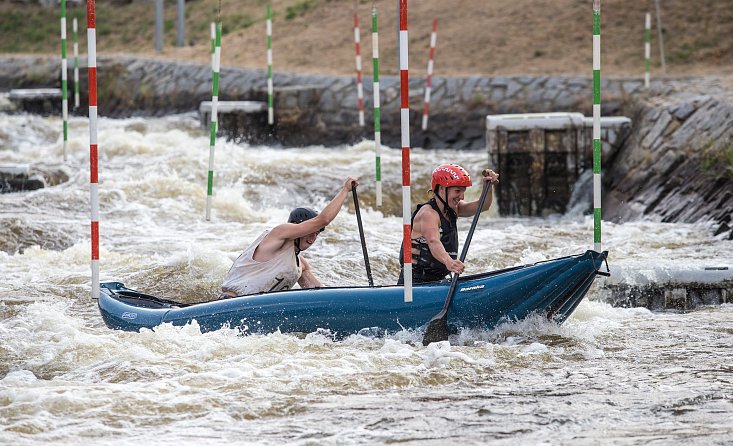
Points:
[(425, 267)]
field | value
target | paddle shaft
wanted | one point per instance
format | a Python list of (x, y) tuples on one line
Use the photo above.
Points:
[(438, 327), (464, 251), (361, 234)]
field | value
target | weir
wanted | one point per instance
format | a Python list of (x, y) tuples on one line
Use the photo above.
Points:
[(299, 116), (239, 121), (683, 290), (42, 101)]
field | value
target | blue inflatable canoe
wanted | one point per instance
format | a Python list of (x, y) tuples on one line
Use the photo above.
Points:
[(553, 288)]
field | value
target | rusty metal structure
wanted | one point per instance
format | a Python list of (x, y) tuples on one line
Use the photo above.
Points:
[(540, 156)]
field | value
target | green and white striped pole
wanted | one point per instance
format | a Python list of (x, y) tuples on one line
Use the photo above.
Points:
[(76, 64), (597, 125), (64, 69), (213, 45), (377, 109), (647, 48), (270, 111), (212, 127)]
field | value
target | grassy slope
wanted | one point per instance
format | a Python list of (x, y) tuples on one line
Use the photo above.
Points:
[(474, 36)]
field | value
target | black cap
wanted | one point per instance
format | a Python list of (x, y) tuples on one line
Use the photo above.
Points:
[(299, 215)]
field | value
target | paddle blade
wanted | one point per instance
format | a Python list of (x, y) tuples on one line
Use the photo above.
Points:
[(437, 329)]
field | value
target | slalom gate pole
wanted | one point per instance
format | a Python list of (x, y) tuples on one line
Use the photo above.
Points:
[(359, 83), (93, 149), (212, 127), (64, 81), (377, 109), (76, 65), (429, 79), (213, 45), (647, 48), (597, 125), (270, 111), (405, 132)]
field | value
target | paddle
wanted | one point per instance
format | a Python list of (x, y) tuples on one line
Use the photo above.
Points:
[(361, 234), (438, 327)]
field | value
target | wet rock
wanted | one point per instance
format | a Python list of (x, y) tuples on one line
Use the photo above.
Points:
[(24, 177)]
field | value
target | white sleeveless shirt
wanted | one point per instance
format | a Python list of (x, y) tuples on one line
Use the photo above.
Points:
[(249, 276)]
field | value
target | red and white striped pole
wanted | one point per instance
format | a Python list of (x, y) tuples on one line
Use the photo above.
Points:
[(359, 85), (64, 81), (405, 131), (270, 100), (428, 82), (93, 150), (76, 64)]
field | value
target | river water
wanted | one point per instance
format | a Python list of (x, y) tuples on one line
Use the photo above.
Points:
[(606, 376)]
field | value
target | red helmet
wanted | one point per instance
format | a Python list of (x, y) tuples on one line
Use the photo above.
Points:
[(448, 175)]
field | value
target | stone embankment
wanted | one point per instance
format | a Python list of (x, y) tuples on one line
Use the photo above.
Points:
[(312, 109), (676, 165)]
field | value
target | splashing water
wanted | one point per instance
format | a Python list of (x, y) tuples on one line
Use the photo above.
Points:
[(606, 376)]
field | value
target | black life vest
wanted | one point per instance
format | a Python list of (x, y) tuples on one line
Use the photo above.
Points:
[(425, 267)]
